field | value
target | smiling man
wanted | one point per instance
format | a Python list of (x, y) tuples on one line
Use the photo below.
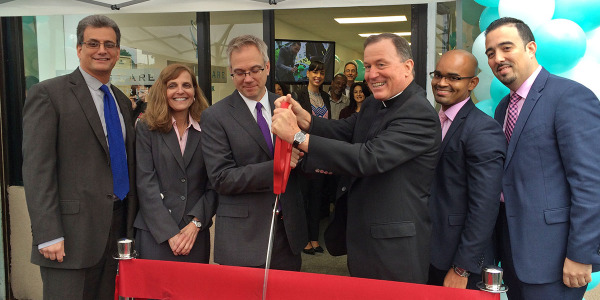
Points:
[(78, 169), (465, 192), (548, 222), (386, 155)]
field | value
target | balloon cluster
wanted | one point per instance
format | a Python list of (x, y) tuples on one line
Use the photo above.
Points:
[(567, 34)]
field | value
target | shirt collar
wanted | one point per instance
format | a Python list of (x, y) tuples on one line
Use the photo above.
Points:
[(192, 123), (389, 102), (524, 89), (92, 81), (453, 110), (252, 103)]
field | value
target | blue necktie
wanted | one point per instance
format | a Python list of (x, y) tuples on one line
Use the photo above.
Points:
[(264, 127), (116, 146)]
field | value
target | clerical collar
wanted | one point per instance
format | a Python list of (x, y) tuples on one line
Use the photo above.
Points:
[(387, 103)]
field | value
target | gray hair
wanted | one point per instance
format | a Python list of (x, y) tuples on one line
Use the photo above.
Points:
[(247, 40), (402, 46), (97, 21)]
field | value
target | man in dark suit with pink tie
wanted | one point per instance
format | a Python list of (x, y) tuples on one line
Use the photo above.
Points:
[(466, 187), (549, 219)]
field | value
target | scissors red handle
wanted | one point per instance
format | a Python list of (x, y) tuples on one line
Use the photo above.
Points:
[(281, 162)]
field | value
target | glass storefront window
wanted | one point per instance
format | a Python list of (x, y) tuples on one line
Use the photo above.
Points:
[(149, 42)]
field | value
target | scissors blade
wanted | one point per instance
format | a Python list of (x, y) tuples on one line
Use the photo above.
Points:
[(270, 246)]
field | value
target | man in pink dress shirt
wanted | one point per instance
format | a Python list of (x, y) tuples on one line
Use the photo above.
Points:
[(549, 242), (466, 187)]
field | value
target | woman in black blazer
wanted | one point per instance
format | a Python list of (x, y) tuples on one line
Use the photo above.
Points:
[(176, 201), (315, 189)]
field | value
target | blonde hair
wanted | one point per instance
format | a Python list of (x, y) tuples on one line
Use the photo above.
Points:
[(158, 114)]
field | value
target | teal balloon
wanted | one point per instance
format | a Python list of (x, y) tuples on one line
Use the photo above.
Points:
[(488, 16), (595, 281), (471, 12), (488, 3), (360, 70), (488, 106), (586, 13), (561, 44), (498, 90)]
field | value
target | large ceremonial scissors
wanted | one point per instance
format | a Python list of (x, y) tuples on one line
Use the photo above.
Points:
[(281, 173)]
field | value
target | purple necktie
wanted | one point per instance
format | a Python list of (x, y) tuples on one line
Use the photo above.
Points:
[(264, 127), (513, 114)]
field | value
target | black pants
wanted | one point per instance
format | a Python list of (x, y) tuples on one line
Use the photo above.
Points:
[(96, 282)]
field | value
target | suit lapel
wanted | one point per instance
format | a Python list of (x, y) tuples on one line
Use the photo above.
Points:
[(243, 116), (528, 105), (170, 139), (456, 123), (193, 140), (82, 93)]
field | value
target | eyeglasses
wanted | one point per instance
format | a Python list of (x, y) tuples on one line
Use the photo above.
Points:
[(96, 45), (254, 72), (435, 75)]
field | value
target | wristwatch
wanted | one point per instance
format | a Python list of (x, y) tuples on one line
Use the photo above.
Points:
[(197, 223), (461, 272), (299, 138)]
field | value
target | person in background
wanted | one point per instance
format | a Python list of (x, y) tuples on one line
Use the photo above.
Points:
[(338, 100), (140, 104), (350, 71), (548, 222), (468, 177), (281, 89), (360, 92), (176, 202), (315, 101), (79, 169)]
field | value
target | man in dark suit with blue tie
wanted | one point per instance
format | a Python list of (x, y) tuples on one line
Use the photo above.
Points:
[(548, 222), (79, 169), (466, 188), (238, 151)]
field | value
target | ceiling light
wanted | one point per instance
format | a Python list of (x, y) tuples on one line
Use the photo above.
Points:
[(371, 19), (406, 33)]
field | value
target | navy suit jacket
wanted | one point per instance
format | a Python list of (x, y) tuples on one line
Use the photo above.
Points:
[(551, 180), (465, 194)]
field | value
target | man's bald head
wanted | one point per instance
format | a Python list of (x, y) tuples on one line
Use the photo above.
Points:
[(455, 76)]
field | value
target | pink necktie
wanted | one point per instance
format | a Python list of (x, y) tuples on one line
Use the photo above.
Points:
[(443, 120), (513, 114)]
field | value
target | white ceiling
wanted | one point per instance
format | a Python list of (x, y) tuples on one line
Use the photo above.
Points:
[(66, 7)]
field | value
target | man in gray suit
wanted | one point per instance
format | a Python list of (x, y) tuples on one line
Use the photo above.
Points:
[(386, 155), (78, 169), (238, 152)]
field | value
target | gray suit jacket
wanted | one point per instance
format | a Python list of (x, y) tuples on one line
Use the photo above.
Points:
[(387, 162), (465, 194), (180, 179), (240, 167), (66, 170)]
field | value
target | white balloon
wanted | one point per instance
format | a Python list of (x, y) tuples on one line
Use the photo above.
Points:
[(533, 12), (593, 44), (585, 73), (482, 90), (479, 51)]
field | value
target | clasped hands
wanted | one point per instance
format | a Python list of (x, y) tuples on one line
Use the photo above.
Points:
[(182, 242)]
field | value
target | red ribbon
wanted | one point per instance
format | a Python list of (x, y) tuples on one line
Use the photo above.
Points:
[(281, 162), (154, 279)]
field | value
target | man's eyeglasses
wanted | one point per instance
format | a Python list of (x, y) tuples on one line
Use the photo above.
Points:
[(96, 45), (437, 76), (254, 72)]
